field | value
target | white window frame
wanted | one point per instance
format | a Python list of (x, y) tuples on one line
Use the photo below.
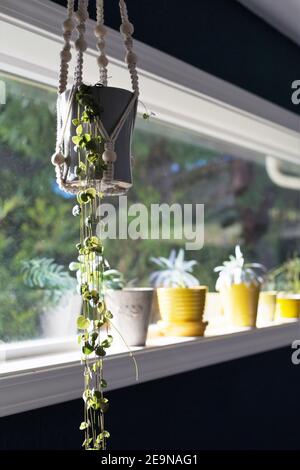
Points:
[(181, 95)]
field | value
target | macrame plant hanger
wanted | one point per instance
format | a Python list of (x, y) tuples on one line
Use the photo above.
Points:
[(62, 158)]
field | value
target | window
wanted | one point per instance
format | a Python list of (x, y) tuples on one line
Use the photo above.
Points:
[(242, 204), (38, 232), (36, 225)]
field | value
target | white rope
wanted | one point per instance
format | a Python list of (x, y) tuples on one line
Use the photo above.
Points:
[(80, 43), (127, 30), (109, 156), (100, 33), (111, 139), (65, 55)]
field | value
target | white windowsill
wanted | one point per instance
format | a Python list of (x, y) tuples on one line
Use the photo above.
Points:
[(54, 378)]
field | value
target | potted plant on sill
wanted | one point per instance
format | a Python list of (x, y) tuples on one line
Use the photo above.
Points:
[(181, 299), (130, 306), (239, 285), (267, 301), (266, 306), (286, 279), (60, 303)]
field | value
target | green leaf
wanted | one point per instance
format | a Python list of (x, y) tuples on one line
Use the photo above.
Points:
[(83, 323), (100, 351), (100, 307), (103, 383), (87, 394), (87, 349), (91, 192), (76, 139), (79, 130), (75, 122), (87, 441), (107, 342), (83, 197), (94, 337), (83, 425), (108, 315), (97, 395), (104, 405)]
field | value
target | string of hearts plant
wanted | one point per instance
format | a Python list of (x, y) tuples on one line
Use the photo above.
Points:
[(94, 337), (92, 159)]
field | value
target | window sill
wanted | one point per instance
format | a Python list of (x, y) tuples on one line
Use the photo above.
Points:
[(54, 378)]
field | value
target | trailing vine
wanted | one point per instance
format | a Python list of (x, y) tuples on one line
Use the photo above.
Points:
[(93, 272), (88, 139), (94, 321)]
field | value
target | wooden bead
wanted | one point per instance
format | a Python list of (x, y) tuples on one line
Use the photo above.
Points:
[(131, 58), (67, 36), (102, 60), (109, 156), (68, 25), (77, 16), (80, 44), (100, 30), (66, 55), (57, 158), (127, 28)]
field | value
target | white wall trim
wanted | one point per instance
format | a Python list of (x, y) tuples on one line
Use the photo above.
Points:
[(45, 17), (47, 385), (30, 44)]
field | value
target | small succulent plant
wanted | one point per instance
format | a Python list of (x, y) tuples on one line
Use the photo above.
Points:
[(236, 271), (113, 279), (45, 274), (286, 277), (174, 271)]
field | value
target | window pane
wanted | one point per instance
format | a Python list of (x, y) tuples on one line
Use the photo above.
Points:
[(242, 204), (38, 233), (35, 217)]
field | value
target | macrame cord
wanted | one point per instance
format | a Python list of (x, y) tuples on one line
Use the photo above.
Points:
[(109, 156)]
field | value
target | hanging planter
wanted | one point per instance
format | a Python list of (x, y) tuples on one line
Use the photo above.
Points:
[(95, 123), (92, 159)]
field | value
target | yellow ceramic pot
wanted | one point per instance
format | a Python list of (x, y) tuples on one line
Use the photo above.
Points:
[(288, 306), (266, 306), (182, 310), (240, 303)]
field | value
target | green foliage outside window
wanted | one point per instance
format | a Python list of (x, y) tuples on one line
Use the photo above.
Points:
[(242, 205)]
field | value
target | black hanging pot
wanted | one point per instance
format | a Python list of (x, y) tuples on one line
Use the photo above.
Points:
[(104, 161), (110, 103)]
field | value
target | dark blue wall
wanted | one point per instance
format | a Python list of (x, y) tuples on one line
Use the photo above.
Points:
[(221, 37), (247, 403), (250, 403)]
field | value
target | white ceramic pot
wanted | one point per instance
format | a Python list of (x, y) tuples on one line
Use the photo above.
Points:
[(131, 309), (60, 321)]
